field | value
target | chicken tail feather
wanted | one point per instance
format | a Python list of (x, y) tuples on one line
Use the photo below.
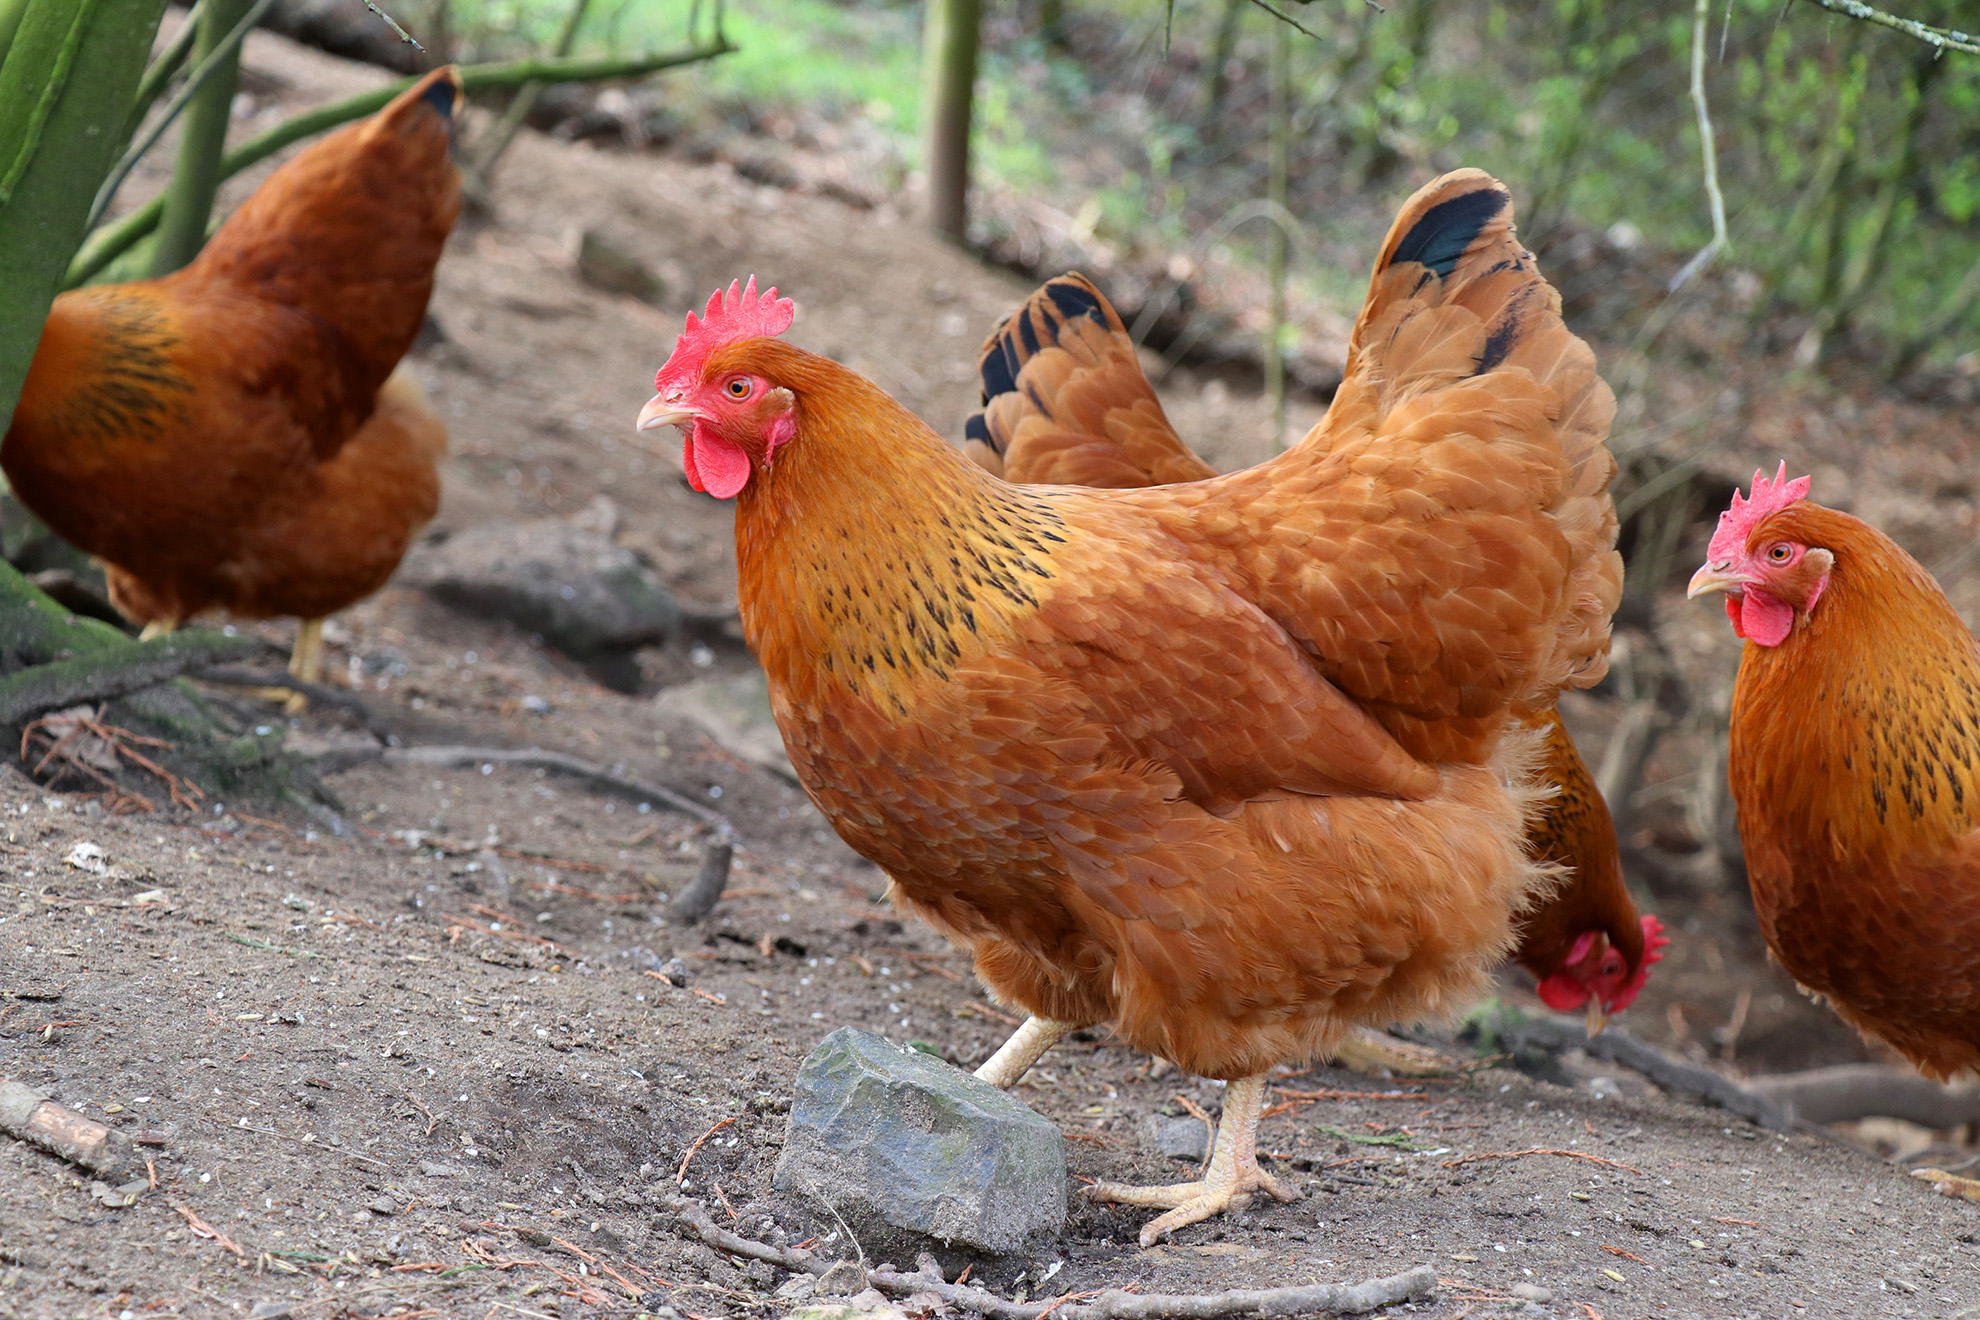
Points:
[(1065, 400)]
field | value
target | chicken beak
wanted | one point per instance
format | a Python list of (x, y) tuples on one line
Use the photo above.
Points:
[(1717, 576), (1598, 1017), (659, 412)]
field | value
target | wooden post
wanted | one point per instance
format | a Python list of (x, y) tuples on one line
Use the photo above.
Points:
[(947, 91)]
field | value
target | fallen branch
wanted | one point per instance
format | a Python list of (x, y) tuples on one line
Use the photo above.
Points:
[(1113, 1304), (1540, 1150), (1517, 1030), (1701, 13), (30, 1116), (115, 672), (319, 694), (448, 757), (1947, 1184), (1862, 1090)]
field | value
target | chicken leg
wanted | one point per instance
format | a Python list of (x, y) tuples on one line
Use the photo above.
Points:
[(305, 663), (1016, 1055), (1230, 1180)]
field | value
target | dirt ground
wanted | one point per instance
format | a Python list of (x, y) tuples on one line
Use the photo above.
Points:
[(417, 1057)]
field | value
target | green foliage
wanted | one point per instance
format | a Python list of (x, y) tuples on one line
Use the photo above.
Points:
[(69, 73)]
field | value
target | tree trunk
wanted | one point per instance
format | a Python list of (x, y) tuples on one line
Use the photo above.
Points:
[(948, 89), (196, 176)]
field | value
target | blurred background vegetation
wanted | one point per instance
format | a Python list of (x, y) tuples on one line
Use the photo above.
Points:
[(1850, 153)]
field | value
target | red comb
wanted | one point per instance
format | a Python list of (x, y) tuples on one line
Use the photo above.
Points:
[(1736, 523), (740, 313)]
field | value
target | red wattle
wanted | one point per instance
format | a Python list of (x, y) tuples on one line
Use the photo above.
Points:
[(1763, 619), (1562, 993), (714, 464)]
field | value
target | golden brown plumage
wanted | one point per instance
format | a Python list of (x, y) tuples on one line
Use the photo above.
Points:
[(1855, 765), (1066, 402), (1223, 763), (227, 436)]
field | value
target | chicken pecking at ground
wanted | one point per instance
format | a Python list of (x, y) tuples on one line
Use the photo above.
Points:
[(1855, 766), (235, 434), (1066, 402), (1225, 764)]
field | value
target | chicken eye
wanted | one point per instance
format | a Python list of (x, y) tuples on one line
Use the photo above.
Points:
[(739, 388), (1780, 553)]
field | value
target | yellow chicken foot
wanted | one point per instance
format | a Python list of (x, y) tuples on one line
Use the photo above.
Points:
[(305, 663), (158, 628), (1016, 1055), (1377, 1053), (1228, 1183)]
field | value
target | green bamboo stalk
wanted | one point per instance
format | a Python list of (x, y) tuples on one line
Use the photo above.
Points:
[(112, 241), (11, 12), (64, 86), (196, 177), (159, 73), (505, 129)]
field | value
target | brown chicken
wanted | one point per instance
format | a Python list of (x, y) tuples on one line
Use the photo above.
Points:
[(1226, 764), (233, 435), (1065, 401), (1855, 765)]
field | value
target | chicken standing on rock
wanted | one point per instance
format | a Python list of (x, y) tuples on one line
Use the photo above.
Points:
[(1855, 765), (235, 434), (1065, 401), (1225, 764)]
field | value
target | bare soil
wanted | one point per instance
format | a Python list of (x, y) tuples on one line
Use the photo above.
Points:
[(420, 1060)]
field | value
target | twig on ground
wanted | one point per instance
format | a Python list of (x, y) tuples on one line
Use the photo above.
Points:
[(499, 933), (699, 896), (1112, 1304), (680, 1174), (203, 1229), (81, 742), (30, 1116), (1626, 1255), (1948, 1184), (1540, 1150)]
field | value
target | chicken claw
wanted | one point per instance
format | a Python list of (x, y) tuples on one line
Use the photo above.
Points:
[(1228, 1183)]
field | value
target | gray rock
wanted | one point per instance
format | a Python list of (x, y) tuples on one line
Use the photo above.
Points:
[(582, 592), (735, 712), (842, 1280), (608, 267), (1533, 1292), (906, 1148), (1176, 1138)]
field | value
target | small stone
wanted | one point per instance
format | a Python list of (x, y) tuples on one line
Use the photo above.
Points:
[(382, 1206), (607, 267), (847, 1311), (1533, 1292), (435, 1169), (906, 1148), (272, 1311), (796, 1288), (842, 1280), (1176, 1138), (578, 589)]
